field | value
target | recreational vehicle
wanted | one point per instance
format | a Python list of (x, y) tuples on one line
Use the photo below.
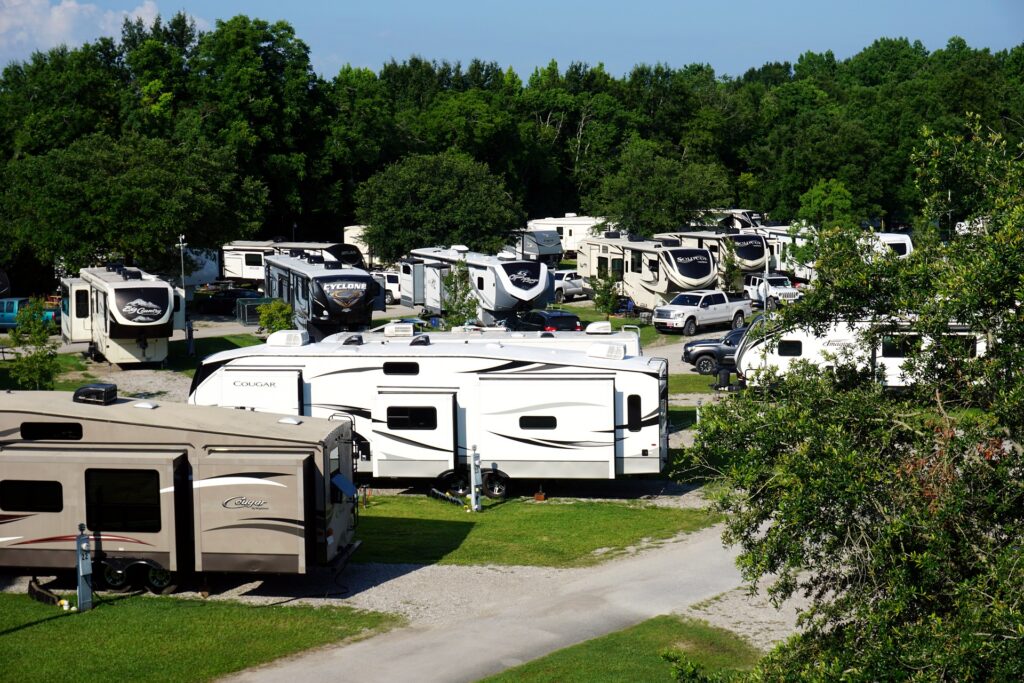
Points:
[(125, 314), (422, 408), (538, 245), (750, 251), (502, 285), (353, 235), (840, 342), (166, 489), (649, 272), (570, 228), (325, 296), (244, 259), (628, 336)]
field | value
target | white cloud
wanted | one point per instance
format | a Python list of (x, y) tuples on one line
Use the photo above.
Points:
[(112, 20)]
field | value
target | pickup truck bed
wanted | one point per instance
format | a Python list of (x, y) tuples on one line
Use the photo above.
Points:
[(689, 311)]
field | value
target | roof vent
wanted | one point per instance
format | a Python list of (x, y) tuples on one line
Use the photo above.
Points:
[(288, 338), (612, 234), (570, 215), (333, 265), (315, 258), (422, 340), (461, 248), (99, 394), (353, 340), (132, 274), (607, 350), (145, 405), (289, 421), (635, 238), (599, 327)]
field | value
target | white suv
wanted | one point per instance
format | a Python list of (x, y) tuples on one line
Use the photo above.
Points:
[(388, 280), (568, 284)]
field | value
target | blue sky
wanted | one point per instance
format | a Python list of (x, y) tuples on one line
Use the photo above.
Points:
[(732, 36)]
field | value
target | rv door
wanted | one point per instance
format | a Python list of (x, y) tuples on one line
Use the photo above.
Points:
[(415, 432), (270, 390)]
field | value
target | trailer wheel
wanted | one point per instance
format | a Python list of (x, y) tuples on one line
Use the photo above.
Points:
[(737, 320), (115, 579), (690, 328), (455, 482), (495, 485), (705, 365), (160, 581)]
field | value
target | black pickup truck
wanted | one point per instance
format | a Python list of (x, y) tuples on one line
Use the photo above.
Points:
[(707, 355)]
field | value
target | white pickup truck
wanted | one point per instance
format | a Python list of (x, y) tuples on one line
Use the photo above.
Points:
[(691, 310), (777, 290), (568, 285)]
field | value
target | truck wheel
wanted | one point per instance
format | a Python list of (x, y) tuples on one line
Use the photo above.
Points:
[(690, 328), (771, 304), (389, 299), (737, 320), (495, 485), (705, 365), (159, 581), (559, 296)]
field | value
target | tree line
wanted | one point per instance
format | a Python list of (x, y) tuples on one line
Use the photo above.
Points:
[(119, 145)]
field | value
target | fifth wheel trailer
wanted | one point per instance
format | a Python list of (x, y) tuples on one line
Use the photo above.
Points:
[(421, 407), (166, 489)]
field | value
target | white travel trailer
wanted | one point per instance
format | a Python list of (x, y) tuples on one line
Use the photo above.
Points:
[(751, 251), (168, 489), (422, 408), (781, 241), (650, 272), (538, 245), (244, 260), (326, 297), (570, 228), (839, 342), (601, 331), (501, 284), (353, 234), (125, 314)]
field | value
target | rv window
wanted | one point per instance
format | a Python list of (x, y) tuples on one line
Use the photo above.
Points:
[(177, 303), (398, 368), (636, 261), (652, 265), (633, 418), (254, 260), (82, 303), (122, 500), (480, 283), (559, 229), (900, 345), (602, 267), (9, 307), (51, 431), (412, 417), (617, 268), (791, 347), (24, 495), (538, 422)]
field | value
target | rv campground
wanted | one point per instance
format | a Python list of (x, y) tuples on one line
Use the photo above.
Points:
[(521, 580)]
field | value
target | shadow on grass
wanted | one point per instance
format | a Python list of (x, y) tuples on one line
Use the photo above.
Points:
[(178, 359), (409, 540)]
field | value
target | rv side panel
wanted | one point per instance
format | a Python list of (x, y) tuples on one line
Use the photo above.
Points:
[(415, 430)]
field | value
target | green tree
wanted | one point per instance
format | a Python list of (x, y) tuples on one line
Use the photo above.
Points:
[(460, 302), (275, 316), (826, 204), (434, 199), (605, 293), (653, 192), (35, 366)]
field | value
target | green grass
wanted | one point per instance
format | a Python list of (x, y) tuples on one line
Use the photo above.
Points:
[(682, 417), (178, 359), (634, 654), (588, 314), (144, 638), (555, 533)]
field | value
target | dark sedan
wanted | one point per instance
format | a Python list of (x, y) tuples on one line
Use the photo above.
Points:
[(545, 321), (222, 301)]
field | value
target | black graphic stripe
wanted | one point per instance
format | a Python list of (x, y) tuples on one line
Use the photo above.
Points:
[(358, 412), (511, 365), (252, 475), (346, 371), (6, 519), (410, 442), (262, 527), (283, 520)]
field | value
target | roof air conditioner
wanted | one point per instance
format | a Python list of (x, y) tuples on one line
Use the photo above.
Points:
[(288, 338)]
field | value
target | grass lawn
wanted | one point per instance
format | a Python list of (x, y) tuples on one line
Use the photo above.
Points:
[(178, 359), (692, 383), (634, 654), (588, 314), (132, 638), (682, 417), (556, 533)]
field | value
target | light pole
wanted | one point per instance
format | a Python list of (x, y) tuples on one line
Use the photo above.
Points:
[(181, 248)]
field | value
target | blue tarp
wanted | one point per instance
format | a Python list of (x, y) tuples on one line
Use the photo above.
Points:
[(344, 484)]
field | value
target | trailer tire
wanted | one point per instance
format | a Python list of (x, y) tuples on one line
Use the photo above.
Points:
[(737, 320), (455, 482), (159, 581), (495, 485), (705, 365), (690, 328), (114, 579)]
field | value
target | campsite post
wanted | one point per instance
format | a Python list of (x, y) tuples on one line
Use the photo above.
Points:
[(84, 559)]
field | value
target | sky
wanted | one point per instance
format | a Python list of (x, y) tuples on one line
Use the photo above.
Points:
[(730, 35)]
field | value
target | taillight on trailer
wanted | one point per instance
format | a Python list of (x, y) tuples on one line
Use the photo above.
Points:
[(550, 328)]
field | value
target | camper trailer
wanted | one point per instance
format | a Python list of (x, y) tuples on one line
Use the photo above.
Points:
[(570, 228), (353, 235), (125, 314), (325, 296), (649, 272), (166, 489), (502, 284), (538, 245), (244, 260), (751, 251), (628, 336), (839, 342), (422, 408)]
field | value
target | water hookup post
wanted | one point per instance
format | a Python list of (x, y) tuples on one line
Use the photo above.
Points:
[(475, 481), (84, 559)]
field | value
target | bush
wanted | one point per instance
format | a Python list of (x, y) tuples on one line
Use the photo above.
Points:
[(36, 365), (275, 316)]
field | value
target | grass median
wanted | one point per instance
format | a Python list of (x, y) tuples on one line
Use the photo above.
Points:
[(145, 638), (634, 654), (554, 533)]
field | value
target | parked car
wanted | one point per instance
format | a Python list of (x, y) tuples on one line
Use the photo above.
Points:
[(691, 310), (9, 312), (546, 321), (778, 290), (223, 301), (568, 285), (708, 355), (388, 280)]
